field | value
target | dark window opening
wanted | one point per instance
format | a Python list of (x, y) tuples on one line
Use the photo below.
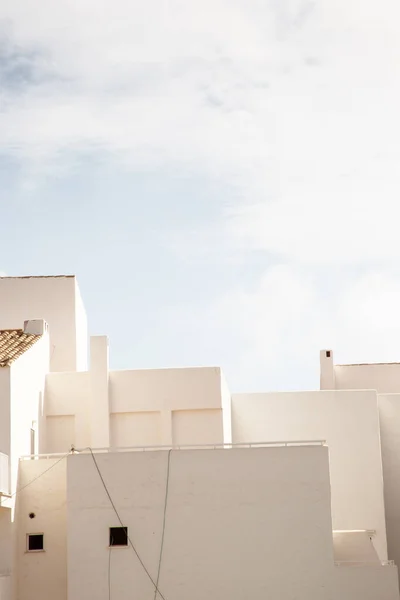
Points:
[(118, 536), (35, 542), (328, 354)]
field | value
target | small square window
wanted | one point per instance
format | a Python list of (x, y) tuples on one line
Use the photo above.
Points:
[(118, 536), (35, 542)]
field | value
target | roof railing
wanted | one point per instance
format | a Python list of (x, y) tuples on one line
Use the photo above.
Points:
[(239, 445), (355, 563)]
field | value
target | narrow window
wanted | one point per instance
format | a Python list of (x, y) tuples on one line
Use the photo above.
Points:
[(118, 536), (328, 354), (35, 542)]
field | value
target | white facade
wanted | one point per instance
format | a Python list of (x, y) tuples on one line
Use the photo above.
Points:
[(203, 554), (302, 515), (57, 300), (102, 408), (384, 379), (349, 422)]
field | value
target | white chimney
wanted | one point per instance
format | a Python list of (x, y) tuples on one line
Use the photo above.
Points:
[(36, 327), (327, 370)]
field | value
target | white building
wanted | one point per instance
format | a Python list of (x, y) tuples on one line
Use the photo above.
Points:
[(178, 489)]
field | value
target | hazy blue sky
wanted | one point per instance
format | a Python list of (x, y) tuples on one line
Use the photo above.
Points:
[(221, 175)]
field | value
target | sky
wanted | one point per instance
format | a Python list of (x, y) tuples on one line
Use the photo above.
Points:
[(221, 175)]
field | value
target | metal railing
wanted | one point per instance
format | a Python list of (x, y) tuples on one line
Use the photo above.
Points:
[(355, 563), (277, 444)]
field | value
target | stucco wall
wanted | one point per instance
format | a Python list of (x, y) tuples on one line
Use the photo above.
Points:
[(81, 328), (242, 523), (5, 383), (21, 410), (28, 375), (349, 422), (384, 378), (365, 583), (49, 298), (99, 407), (160, 389), (197, 427), (42, 575), (136, 429), (135, 408), (5, 587), (60, 433), (5, 540), (5, 513), (229, 533), (389, 411), (67, 395), (166, 406), (226, 410)]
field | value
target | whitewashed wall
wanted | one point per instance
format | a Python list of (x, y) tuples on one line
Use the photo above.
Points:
[(134, 408), (136, 429), (5, 587), (53, 299), (5, 505), (203, 426), (172, 406), (5, 391), (99, 405), (242, 523), (349, 422), (81, 331), (27, 386), (230, 533), (21, 410), (5, 541), (389, 410), (365, 583), (67, 399), (226, 399), (42, 575), (384, 378)]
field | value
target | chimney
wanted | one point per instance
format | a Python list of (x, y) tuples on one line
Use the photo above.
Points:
[(36, 327), (327, 372)]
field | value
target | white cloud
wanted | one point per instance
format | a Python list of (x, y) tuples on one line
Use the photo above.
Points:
[(282, 100), (278, 98), (351, 219), (3, 274), (279, 326), (163, 80), (367, 320), (292, 105)]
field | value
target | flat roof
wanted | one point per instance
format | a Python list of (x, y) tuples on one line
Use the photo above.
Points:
[(35, 276), (367, 364)]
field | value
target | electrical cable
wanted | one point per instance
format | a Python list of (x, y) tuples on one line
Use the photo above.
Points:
[(163, 528), (122, 525), (39, 476), (155, 583)]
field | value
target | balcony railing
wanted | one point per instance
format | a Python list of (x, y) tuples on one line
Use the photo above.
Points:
[(354, 563), (278, 444)]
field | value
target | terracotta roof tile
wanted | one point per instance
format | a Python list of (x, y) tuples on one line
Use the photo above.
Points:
[(13, 343)]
